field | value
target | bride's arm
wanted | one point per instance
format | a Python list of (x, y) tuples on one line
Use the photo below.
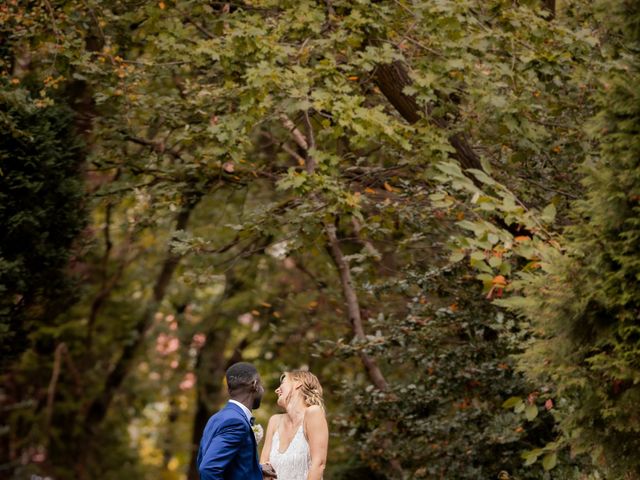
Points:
[(266, 448), (318, 437)]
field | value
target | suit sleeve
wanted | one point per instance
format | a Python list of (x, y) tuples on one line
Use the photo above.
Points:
[(222, 448)]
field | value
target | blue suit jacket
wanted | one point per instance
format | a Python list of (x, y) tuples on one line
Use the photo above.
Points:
[(228, 447)]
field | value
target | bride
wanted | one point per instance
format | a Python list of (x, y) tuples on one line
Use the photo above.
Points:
[(296, 441)]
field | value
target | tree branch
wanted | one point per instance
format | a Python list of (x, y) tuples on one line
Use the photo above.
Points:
[(298, 136), (353, 306), (392, 78)]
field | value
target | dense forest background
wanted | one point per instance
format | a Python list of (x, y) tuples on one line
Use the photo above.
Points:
[(434, 205)]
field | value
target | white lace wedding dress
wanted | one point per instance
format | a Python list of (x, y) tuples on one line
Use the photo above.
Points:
[(293, 463)]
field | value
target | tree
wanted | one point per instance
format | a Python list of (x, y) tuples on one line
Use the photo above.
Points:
[(305, 150), (585, 304)]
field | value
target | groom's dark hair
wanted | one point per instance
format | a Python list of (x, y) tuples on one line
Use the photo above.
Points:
[(240, 376)]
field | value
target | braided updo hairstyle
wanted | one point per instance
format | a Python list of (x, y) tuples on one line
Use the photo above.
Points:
[(310, 389)]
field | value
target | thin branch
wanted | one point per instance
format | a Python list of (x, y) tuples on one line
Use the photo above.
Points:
[(151, 64), (200, 28), (158, 147), (53, 18), (369, 247), (53, 383), (310, 135), (301, 161), (311, 163), (319, 283), (353, 306), (298, 136), (424, 47)]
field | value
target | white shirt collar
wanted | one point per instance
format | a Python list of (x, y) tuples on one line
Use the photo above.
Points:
[(246, 411)]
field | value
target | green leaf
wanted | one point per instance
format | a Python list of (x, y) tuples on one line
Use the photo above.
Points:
[(456, 256), (495, 262), (549, 213), (549, 461), (511, 402), (483, 177), (450, 168), (530, 456), (531, 412), (477, 255)]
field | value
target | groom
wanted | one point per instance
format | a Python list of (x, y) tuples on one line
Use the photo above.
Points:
[(228, 449)]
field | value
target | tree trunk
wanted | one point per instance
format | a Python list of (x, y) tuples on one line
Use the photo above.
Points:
[(98, 409), (210, 367), (550, 5)]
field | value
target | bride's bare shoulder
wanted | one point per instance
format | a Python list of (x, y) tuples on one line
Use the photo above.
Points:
[(275, 418), (314, 411)]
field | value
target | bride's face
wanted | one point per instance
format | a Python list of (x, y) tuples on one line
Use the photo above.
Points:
[(285, 392)]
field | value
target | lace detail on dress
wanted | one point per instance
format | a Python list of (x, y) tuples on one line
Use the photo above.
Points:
[(293, 463)]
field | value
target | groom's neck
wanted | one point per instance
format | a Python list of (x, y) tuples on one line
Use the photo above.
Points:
[(247, 401)]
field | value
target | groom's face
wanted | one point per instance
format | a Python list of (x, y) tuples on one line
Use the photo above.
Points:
[(259, 393)]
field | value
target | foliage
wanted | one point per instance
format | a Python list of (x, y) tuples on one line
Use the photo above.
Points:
[(257, 182), (578, 290), (451, 374), (585, 305), (42, 212)]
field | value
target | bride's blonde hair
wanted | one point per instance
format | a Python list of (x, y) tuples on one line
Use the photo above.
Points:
[(310, 388)]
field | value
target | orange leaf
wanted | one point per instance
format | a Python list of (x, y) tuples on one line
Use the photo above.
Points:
[(353, 78), (388, 187), (369, 190), (522, 238), (499, 280)]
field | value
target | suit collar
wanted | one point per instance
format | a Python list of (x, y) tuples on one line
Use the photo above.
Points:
[(237, 408), (245, 410)]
